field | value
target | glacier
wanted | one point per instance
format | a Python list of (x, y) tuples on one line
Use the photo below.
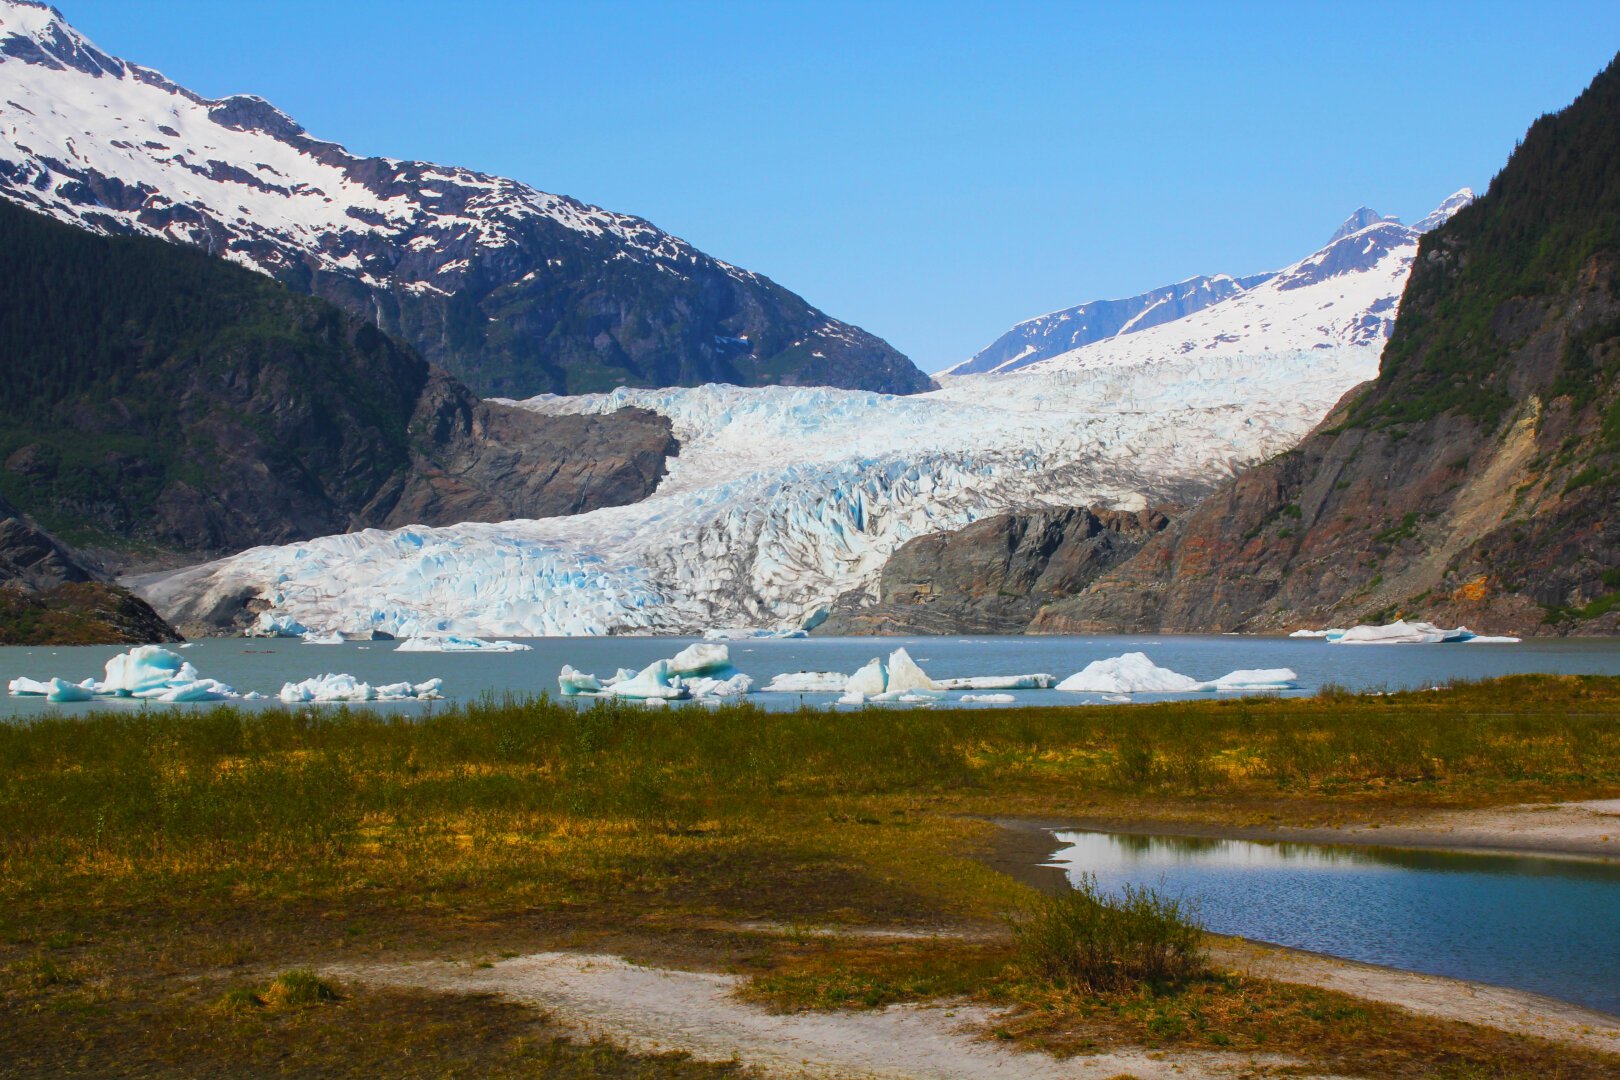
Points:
[(783, 498)]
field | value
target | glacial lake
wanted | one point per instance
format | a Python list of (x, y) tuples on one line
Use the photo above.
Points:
[(1550, 926), (265, 664)]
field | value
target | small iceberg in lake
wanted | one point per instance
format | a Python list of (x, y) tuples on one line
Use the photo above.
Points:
[(807, 682), (746, 634), (988, 699), (345, 688), (701, 671), (448, 643), (147, 672), (312, 638), (1402, 632), (998, 682), (1135, 673)]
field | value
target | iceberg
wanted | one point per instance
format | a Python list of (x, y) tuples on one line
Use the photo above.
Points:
[(870, 681), (148, 672), (1258, 679), (573, 683), (1493, 639), (998, 682), (312, 638), (1132, 673), (743, 634), (988, 699), (807, 682), (905, 675), (1401, 632), (701, 660), (853, 698), (705, 688), (343, 688), (1332, 635), (457, 643), (653, 681)]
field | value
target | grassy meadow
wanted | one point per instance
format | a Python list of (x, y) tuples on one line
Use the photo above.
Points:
[(161, 870)]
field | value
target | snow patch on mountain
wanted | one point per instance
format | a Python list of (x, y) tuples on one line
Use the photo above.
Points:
[(1343, 294)]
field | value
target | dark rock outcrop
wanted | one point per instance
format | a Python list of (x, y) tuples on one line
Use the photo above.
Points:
[(48, 596), (991, 577), (1477, 480)]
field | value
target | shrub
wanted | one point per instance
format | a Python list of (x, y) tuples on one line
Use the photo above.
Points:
[(299, 987), (1083, 940)]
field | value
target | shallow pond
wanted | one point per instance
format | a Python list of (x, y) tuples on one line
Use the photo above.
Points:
[(1551, 926), (264, 664)]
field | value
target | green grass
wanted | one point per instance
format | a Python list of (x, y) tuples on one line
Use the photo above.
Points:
[(157, 868)]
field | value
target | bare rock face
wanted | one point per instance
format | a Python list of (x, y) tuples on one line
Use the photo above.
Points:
[(48, 596), (1477, 480), (991, 576)]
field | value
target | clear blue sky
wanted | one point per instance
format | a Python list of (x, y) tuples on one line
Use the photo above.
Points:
[(931, 171)]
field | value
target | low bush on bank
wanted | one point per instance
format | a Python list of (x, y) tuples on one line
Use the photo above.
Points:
[(1084, 940)]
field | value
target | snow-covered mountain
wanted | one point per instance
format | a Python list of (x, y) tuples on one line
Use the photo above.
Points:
[(514, 290), (784, 498), (1343, 294)]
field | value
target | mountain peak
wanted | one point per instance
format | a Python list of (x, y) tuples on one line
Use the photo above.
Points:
[(1360, 219), (36, 33), (1449, 206)]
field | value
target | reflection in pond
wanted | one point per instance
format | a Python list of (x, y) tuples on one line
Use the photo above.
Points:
[(1547, 925)]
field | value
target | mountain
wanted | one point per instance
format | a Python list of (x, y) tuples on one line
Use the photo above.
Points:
[(1341, 294), (512, 290), (48, 596), (1477, 479), (158, 405)]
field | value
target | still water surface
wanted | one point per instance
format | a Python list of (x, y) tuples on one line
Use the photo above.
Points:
[(1551, 926), (265, 664)]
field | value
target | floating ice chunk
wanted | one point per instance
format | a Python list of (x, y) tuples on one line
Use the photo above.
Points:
[(871, 680), (1259, 679), (272, 625), (1401, 632), (336, 688), (456, 643), (905, 675), (60, 690), (853, 698), (704, 687), (312, 638), (998, 682), (1333, 633), (1132, 673), (653, 681), (622, 675), (909, 697), (744, 634), (807, 682), (194, 691), (988, 699), (1117, 699), (701, 660), (145, 667), (572, 683), (1490, 639), (22, 686)]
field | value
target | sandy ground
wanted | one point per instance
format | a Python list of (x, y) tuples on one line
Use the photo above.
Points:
[(657, 1009)]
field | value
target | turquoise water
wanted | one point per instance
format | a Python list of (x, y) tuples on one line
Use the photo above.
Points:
[(263, 665), (1551, 926)]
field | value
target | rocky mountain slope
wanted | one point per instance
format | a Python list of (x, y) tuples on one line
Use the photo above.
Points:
[(1343, 294), (48, 596), (1477, 480), (991, 577), (513, 290), (157, 404)]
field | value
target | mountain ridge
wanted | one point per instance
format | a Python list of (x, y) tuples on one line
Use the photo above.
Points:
[(513, 290)]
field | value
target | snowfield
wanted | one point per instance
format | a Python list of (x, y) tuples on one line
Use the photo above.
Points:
[(782, 498)]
